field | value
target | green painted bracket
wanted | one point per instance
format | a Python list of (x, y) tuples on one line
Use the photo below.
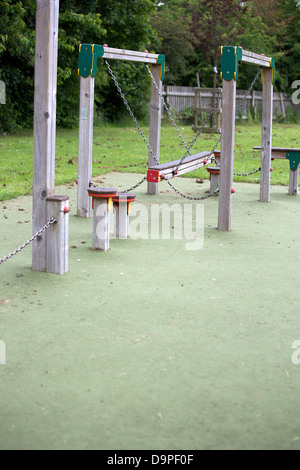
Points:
[(89, 53), (230, 57), (162, 60), (85, 61), (294, 158)]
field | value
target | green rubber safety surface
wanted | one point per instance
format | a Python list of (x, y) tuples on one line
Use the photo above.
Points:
[(155, 345)]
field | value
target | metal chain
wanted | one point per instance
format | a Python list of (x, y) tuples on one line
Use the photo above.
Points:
[(136, 185), (248, 91), (188, 149), (167, 108), (201, 198), (129, 110), (47, 225), (238, 109), (248, 174), (215, 146)]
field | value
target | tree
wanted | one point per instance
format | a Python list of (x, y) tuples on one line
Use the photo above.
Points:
[(123, 23), (213, 23), (174, 40)]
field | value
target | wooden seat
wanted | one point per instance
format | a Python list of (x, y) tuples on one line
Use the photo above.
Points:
[(293, 155), (174, 168)]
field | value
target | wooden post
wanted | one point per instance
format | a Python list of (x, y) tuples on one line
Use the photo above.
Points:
[(155, 124), (266, 136), (102, 204), (85, 146), (122, 202), (294, 181), (101, 224), (58, 235), (227, 150), (45, 81)]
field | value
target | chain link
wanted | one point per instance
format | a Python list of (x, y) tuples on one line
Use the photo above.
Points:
[(167, 108), (34, 237), (248, 174), (248, 91), (188, 149), (191, 198), (129, 110)]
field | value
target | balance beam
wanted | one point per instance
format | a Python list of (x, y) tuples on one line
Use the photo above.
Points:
[(157, 173), (293, 155)]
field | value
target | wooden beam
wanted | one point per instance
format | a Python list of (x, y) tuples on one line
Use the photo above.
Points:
[(190, 163), (266, 136), (85, 145), (227, 152), (279, 152), (45, 82), (155, 125), (133, 56), (256, 59)]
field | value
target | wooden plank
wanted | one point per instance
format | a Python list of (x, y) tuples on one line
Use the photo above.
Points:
[(256, 59), (155, 125), (227, 152), (266, 136), (187, 160), (45, 83), (85, 145), (129, 58), (190, 163), (136, 56), (279, 152)]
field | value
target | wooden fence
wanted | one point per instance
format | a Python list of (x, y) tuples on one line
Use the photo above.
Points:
[(181, 99)]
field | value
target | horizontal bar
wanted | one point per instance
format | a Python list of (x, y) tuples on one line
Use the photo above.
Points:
[(279, 152), (133, 56), (256, 59)]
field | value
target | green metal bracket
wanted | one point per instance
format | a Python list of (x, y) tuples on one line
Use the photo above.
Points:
[(89, 53), (294, 158), (162, 60), (230, 57), (85, 61)]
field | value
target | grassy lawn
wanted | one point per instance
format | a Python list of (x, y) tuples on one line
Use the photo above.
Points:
[(123, 149)]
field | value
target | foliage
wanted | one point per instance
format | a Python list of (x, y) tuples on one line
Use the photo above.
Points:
[(188, 32), (123, 23)]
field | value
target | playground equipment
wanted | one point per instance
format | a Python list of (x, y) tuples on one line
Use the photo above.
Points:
[(49, 244), (122, 203), (102, 204), (87, 69), (230, 58), (102, 201), (293, 155)]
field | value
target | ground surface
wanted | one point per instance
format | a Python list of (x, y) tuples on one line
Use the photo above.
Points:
[(154, 345)]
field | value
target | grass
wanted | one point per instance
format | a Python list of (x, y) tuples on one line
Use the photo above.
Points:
[(123, 149)]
